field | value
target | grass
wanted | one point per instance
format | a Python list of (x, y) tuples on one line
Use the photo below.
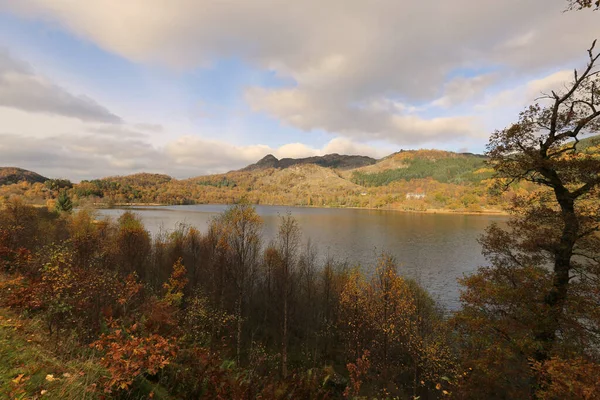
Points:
[(29, 370)]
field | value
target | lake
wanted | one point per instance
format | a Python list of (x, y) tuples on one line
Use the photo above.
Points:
[(434, 249)]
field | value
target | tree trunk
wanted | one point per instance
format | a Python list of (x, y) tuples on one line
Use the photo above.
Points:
[(555, 299), (239, 330), (284, 347)]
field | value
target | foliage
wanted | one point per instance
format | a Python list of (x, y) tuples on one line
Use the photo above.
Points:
[(128, 355), (58, 184), (568, 379), (357, 371), (223, 182), (385, 318), (175, 285)]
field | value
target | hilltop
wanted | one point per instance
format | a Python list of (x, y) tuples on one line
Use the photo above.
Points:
[(10, 175), (328, 161)]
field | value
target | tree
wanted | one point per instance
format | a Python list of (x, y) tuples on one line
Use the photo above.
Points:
[(288, 242), (355, 314), (240, 238), (542, 148), (63, 202), (538, 298), (133, 245)]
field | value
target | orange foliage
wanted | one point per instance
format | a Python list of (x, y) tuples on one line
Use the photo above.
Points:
[(129, 355)]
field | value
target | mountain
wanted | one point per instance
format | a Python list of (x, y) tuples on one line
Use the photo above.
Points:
[(10, 175), (327, 161)]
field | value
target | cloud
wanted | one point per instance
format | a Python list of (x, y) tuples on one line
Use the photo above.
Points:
[(527, 93), (23, 89), (463, 89), (342, 55), (75, 157), (150, 127), (59, 146), (344, 146), (310, 110)]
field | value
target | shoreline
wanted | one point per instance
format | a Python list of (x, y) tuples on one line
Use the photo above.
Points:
[(444, 211)]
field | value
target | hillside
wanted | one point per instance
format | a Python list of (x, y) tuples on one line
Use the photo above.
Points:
[(442, 166), (10, 175), (328, 161), (588, 143)]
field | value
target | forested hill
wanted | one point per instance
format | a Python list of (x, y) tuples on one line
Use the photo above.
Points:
[(445, 180), (10, 175)]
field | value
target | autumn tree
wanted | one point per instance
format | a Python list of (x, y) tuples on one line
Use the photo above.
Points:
[(355, 315), (133, 245), (288, 243), (240, 238), (537, 299)]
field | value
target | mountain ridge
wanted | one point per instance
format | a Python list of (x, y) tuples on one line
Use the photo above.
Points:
[(333, 160)]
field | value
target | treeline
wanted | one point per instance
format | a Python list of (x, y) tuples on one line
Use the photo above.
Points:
[(472, 198)]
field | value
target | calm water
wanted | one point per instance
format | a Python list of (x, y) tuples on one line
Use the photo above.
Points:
[(434, 249)]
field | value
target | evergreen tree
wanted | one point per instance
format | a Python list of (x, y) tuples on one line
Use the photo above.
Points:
[(63, 202)]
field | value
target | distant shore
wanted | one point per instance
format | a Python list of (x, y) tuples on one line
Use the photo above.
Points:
[(427, 211)]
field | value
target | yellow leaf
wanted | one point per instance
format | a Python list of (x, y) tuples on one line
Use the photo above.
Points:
[(18, 379)]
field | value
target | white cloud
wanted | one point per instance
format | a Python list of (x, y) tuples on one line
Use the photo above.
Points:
[(528, 92), (23, 89), (345, 146), (295, 150)]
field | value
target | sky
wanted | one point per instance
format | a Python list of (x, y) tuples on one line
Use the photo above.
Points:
[(98, 88)]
